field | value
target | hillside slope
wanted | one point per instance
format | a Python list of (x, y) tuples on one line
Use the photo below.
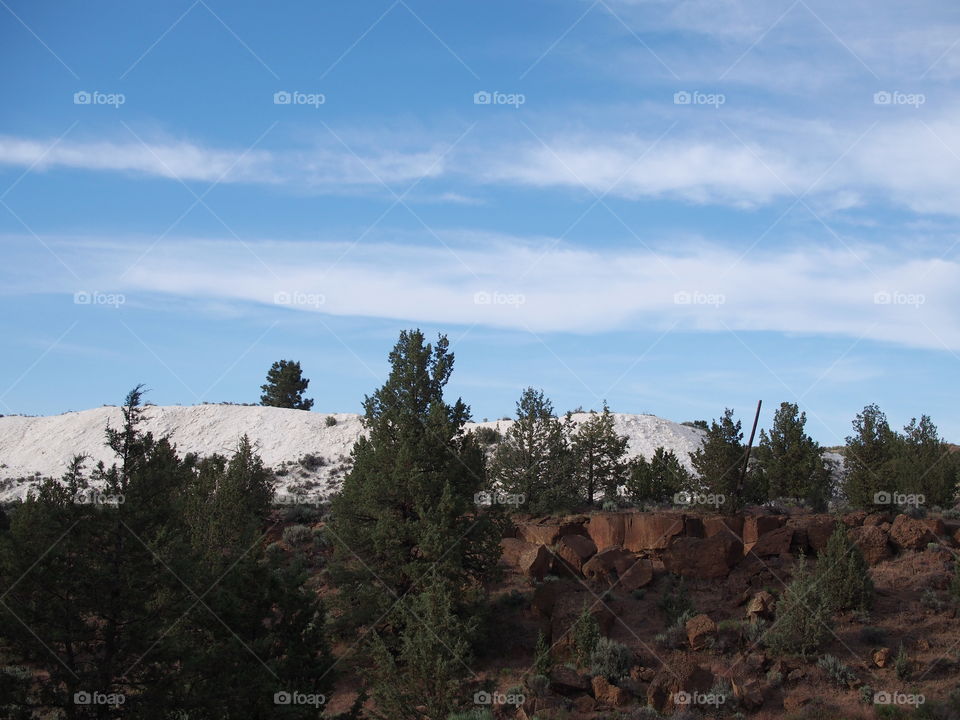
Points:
[(42, 446)]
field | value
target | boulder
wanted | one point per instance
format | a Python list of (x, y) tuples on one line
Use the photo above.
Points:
[(699, 628), (750, 693), (605, 567), (872, 542), (775, 542), (877, 518), (639, 575), (811, 532), (607, 694), (855, 518), (575, 550), (651, 531), (567, 609), (548, 531), (761, 606), (910, 533), (679, 679), (584, 704), (935, 525), (728, 524), (710, 557), (606, 529), (881, 657), (756, 526), (567, 681), (527, 558), (693, 526)]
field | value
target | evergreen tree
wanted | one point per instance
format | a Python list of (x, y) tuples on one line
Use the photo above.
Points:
[(870, 458), (928, 466), (535, 458), (719, 461), (285, 387), (658, 479), (599, 451), (791, 461), (842, 575), (803, 622), (411, 550)]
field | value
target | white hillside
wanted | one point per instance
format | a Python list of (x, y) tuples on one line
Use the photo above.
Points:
[(32, 447)]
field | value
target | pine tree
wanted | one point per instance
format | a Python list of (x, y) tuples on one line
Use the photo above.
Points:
[(803, 622), (658, 479), (791, 461), (929, 467), (842, 575), (719, 461), (599, 453), (535, 458), (285, 387), (870, 458)]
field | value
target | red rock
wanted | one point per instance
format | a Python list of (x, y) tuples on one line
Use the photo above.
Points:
[(877, 518), (761, 605), (728, 524), (639, 575), (651, 531), (935, 525), (527, 558), (775, 542), (750, 693), (710, 557), (699, 628), (606, 566), (679, 676), (881, 657), (855, 518), (872, 542), (607, 694), (567, 609), (811, 532), (575, 550), (584, 704), (910, 533), (567, 681), (606, 529), (756, 526), (693, 526)]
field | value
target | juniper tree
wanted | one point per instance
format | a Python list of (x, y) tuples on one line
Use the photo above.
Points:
[(599, 451), (802, 623), (535, 458), (791, 461), (929, 467), (719, 463), (841, 574), (285, 387), (657, 479), (870, 457)]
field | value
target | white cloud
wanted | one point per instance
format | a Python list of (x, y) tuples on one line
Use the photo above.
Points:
[(875, 294)]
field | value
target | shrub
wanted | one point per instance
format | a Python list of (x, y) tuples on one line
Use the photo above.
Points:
[(930, 600), (836, 670), (901, 663), (954, 589), (542, 661), (312, 462), (756, 631), (802, 624), (586, 633), (539, 685), (675, 601), (330, 421), (297, 534), (475, 714), (866, 695), (487, 435), (321, 540), (300, 513), (842, 574), (610, 659), (610, 506)]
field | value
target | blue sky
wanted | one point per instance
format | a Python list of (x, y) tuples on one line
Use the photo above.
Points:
[(677, 205)]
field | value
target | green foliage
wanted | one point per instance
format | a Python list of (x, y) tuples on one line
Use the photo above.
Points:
[(842, 575), (791, 461), (285, 386), (719, 462), (836, 670), (405, 526), (535, 459), (168, 526), (487, 435), (599, 456), (675, 601), (866, 694), (585, 634), (803, 619), (542, 662), (901, 663), (869, 457), (475, 714), (297, 535), (658, 479), (610, 659), (330, 421)]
